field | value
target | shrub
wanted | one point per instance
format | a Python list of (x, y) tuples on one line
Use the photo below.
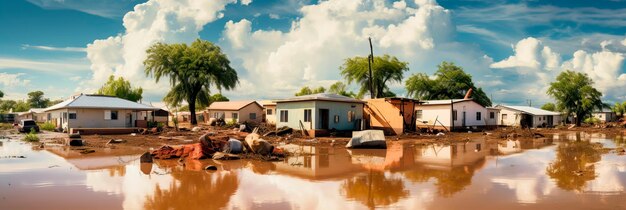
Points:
[(232, 122), (32, 136), (592, 120), (47, 126)]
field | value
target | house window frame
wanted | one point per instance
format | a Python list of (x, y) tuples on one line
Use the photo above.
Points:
[(234, 115), (419, 114), (479, 116), (252, 116), (284, 116), (69, 116), (454, 115), (269, 112), (308, 115), (492, 115)]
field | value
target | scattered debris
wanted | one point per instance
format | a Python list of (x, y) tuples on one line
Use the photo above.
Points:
[(211, 168), (116, 141), (196, 129), (87, 151), (76, 142), (73, 135), (440, 134), (225, 156), (146, 158)]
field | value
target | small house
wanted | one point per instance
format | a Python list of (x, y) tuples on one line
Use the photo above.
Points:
[(456, 114), (98, 114), (492, 118), (236, 111), (394, 115), (35, 114), (605, 115), (318, 114), (526, 116), (269, 110)]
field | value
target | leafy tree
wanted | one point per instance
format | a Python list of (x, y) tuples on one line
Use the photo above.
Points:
[(384, 69), (7, 105), (192, 69), (218, 97), (121, 88), (549, 107), (21, 106), (575, 94), (340, 89), (1, 94), (54, 102), (36, 99), (450, 82), (619, 108), (307, 91)]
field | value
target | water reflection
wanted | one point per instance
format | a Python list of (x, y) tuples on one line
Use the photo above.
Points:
[(374, 189)]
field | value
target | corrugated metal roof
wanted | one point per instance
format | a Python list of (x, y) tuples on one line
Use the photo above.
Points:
[(443, 102), (100, 102), (530, 110), (230, 105), (267, 103), (322, 97)]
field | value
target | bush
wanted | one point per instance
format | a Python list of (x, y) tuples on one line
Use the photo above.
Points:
[(592, 120), (232, 122), (5, 126), (47, 126), (32, 136)]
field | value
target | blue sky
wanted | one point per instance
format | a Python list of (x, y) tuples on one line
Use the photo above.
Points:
[(513, 49)]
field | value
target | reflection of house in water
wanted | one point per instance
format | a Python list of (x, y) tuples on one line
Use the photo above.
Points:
[(449, 156), (99, 160), (319, 163), (515, 146)]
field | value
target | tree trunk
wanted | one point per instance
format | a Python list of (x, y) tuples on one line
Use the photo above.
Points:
[(579, 119), (192, 109)]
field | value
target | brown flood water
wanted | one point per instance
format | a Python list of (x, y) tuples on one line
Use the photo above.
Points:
[(562, 171)]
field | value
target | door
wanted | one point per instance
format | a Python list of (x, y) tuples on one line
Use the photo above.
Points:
[(129, 120), (324, 118), (550, 121), (463, 118)]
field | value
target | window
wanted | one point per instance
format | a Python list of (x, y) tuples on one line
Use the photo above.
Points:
[(418, 114), (253, 116), (478, 148), (492, 115), (113, 115), (49, 116), (336, 118), (504, 116), (350, 116), (72, 116), (269, 112), (234, 115), (284, 115), (307, 115), (479, 116), (454, 115)]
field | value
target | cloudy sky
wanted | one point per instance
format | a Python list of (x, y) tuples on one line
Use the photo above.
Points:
[(513, 49)]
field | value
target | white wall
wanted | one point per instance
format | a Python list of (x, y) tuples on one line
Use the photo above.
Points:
[(296, 114), (496, 117), (92, 118), (442, 113)]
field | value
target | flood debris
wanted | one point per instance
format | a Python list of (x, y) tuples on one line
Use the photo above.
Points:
[(76, 142), (211, 168), (373, 139), (87, 151), (146, 158), (116, 141)]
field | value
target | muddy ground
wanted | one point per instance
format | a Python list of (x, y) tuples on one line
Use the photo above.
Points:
[(137, 143)]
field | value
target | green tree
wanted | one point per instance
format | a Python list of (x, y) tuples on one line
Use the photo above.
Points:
[(218, 97), (307, 91), (385, 69), (574, 93), (549, 107), (7, 105), (450, 82), (619, 108), (36, 99), (120, 88), (1, 94), (192, 69), (340, 89), (21, 106), (54, 102)]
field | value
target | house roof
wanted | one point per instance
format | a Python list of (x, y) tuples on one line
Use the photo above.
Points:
[(321, 97), (530, 110), (267, 103), (603, 110), (443, 102), (86, 101), (231, 105)]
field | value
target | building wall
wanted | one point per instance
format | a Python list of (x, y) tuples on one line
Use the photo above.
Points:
[(92, 118), (605, 116), (296, 114), (243, 115), (271, 119), (385, 115), (514, 117), (442, 113), (496, 117)]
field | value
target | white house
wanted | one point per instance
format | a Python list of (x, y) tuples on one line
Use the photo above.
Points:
[(36, 114), (97, 111), (440, 113), (237, 111), (605, 115), (319, 113), (269, 110), (526, 116)]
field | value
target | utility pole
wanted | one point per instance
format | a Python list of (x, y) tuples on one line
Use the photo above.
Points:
[(370, 61)]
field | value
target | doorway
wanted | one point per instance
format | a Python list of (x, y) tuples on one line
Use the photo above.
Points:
[(463, 119), (129, 120), (324, 117)]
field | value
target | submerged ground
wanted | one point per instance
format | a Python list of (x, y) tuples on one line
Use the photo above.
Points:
[(568, 170)]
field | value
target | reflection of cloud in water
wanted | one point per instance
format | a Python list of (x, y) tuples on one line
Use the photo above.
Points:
[(527, 190), (133, 185), (608, 177)]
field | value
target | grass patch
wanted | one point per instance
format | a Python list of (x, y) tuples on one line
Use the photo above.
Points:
[(6, 126), (47, 126), (32, 136)]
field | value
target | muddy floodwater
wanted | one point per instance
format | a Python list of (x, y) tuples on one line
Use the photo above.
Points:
[(568, 171)]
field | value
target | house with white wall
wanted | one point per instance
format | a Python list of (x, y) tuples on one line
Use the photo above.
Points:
[(526, 116), (605, 115), (36, 114), (320, 113), (456, 113), (236, 111), (269, 110), (96, 112)]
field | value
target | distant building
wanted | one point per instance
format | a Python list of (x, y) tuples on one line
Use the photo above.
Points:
[(605, 115), (456, 113), (269, 110), (98, 111), (320, 113), (526, 116), (237, 111), (36, 114), (394, 115)]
